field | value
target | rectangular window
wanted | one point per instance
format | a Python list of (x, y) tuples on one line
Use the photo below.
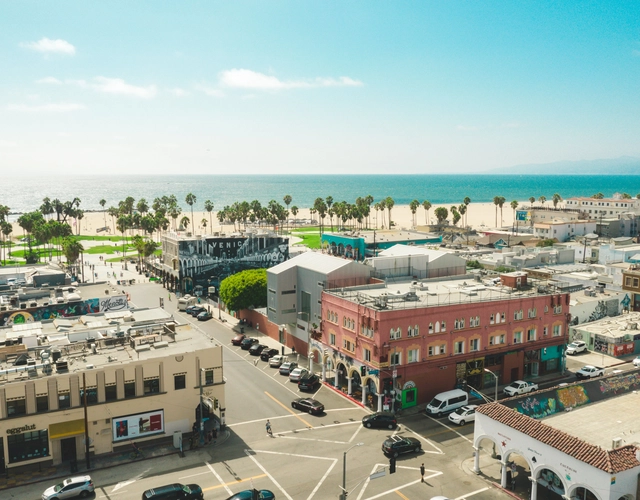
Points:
[(532, 313), (42, 403), (496, 340), (437, 350), (635, 283), (366, 354), (64, 400), (413, 355), (151, 386), (28, 445), (531, 334), (179, 382), (557, 309), (348, 345), (627, 281), (492, 319), (517, 315), (332, 338), (517, 338), (396, 358), (92, 396), (130, 389), (557, 330), (287, 292), (111, 392), (458, 347), (395, 334), (16, 407), (208, 377), (504, 318), (474, 345)]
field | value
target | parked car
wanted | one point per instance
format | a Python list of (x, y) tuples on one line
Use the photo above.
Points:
[(204, 316), (296, 374), (308, 382), (519, 387), (174, 491), (397, 445), (636, 361), (267, 354), (190, 308), (196, 310), (381, 419), (247, 342), (576, 346), (79, 486), (287, 366), (256, 349), (253, 494), (308, 405), (589, 372), (237, 340), (277, 361), (463, 415)]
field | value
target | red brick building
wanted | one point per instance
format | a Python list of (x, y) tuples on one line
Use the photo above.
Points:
[(438, 335)]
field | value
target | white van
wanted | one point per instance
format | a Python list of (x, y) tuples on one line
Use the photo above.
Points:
[(446, 402), (186, 301)]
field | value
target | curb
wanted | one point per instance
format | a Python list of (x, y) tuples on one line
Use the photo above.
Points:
[(343, 394)]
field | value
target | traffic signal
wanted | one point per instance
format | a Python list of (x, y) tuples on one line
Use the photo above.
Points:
[(215, 403), (363, 370), (392, 465)]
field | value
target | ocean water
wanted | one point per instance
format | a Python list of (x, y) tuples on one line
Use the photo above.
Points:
[(26, 193)]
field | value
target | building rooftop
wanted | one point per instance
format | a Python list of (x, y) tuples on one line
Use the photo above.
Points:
[(30, 351), (315, 261), (616, 327), (558, 432), (21, 298), (412, 294)]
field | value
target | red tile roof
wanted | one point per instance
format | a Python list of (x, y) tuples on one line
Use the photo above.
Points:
[(611, 461)]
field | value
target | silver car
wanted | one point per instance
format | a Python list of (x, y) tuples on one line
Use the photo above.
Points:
[(80, 486), (297, 374), (277, 360)]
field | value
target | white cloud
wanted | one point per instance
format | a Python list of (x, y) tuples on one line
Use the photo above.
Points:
[(47, 46), (119, 86), (247, 79), (210, 91), (7, 144), (50, 80), (61, 107), (178, 92)]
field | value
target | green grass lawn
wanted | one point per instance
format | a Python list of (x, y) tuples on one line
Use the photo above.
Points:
[(309, 240), (108, 249)]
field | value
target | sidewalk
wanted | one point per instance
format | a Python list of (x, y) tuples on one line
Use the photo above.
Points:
[(52, 474)]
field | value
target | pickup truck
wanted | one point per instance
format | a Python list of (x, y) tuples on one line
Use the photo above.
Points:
[(519, 387), (589, 372)]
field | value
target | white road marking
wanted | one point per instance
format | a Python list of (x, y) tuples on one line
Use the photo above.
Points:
[(309, 439), (451, 429), (356, 433), (122, 484), (463, 497), (219, 478), (315, 490), (438, 450), (398, 488), (194, 475), (292, 454), (273, 480)]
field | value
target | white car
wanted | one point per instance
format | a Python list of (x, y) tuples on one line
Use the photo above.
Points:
[(576, 346), (276, 361), (463, 415), (80, 486), (519, 387), (297, 374), (636, 361)]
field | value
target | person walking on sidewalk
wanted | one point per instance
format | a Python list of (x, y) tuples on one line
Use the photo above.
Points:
[(422, 473), (268, 426)]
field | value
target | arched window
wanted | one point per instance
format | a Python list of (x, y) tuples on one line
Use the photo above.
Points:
[(437, 327)]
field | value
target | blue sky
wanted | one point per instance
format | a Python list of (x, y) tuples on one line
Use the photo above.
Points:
[(315, 87)]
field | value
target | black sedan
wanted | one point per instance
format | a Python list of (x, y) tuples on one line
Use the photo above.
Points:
[(382, 419), (267, 354), (247, 342), (256, 349), (308, 405), (204, 316), (308, 382), (396, 445), (196, 310)]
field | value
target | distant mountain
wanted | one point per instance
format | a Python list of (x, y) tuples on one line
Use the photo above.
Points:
[(625, 165)]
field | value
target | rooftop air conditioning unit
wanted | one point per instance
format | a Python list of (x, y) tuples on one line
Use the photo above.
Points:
[(616, 443)]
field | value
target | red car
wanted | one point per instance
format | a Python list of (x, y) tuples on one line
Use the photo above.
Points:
[(237, 340)]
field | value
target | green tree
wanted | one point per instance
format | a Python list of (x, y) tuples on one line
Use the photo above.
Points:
[(598, 196), (426, 204), (245, 289), (7, 229), (514, 205), (191, 199), (103, 202), (441, 214), (626, 196), (389, 204), (208, 206), (556, 198), (501, 203), (545, 243), (532, 200), (72, 249), (467, 202), (413, 206), (496, 202), (542, 199)]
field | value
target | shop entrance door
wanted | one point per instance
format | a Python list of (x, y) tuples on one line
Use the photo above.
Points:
[(68, 447)]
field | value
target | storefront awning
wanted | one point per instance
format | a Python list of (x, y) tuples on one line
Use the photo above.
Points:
[(66, 429)]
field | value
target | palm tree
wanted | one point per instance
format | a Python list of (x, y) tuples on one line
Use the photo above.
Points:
[(203, 223), (556, 199), (598, 196), (466, 202), (184, 222), (390, 203), (514, 205), (329, 201), (103, 202), (532, 200), (208, 206), (174, 212), (287, 201), (7, 229), (413, 206), (501, 204), (496, 202), (462, 210), (113, 213), (426, 204), (191, 199), (294, 211), (441, 214), (542, 199), (72, 249)]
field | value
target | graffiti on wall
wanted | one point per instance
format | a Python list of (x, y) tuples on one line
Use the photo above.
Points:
[(620, 384), (572, 396)]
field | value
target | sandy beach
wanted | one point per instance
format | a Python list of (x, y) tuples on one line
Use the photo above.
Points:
[(478, 216)]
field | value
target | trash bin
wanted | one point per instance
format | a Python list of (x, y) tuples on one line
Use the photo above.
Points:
[(73, 466)]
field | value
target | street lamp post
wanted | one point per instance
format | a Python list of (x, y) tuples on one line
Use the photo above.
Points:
[(496, 377), (201, 409), (344, 494), (306, 315)]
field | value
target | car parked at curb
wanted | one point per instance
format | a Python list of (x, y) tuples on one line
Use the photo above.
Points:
[(519, 387), (79, 486), (636, 361), (576, 346), (204, 316), (309, 405), (267, 354), (196, 310), (247, 342), (277, 361), (397, 445), (381, 420), (174, 491), (308, 382), (297, 373), (237, 340), (287, 367), (463, 415), (256, 349)]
